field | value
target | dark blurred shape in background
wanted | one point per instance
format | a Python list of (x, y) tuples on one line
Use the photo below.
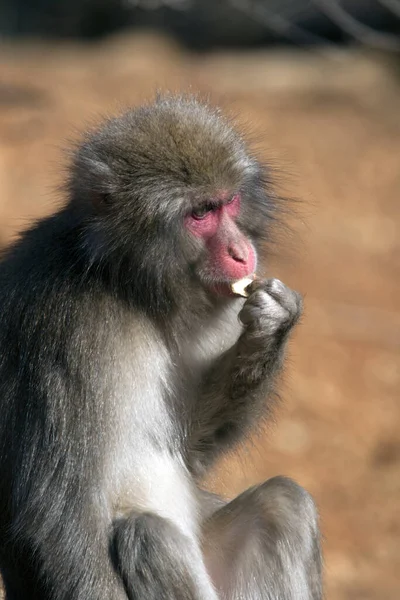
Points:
[(203, 24)]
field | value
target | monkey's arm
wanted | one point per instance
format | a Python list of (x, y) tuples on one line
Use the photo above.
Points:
[(236, 390)]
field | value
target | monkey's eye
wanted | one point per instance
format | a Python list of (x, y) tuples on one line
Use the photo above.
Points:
[(202, 211)]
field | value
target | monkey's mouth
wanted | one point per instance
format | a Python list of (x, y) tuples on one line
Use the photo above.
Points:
[(223, 289), (236, 288)]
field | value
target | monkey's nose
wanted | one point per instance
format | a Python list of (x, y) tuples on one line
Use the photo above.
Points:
[(238, 252)]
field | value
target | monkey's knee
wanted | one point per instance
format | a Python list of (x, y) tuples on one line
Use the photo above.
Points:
[(289, 519), (265, 544), (285, 541), (156, 560), (146, 538), (287, 505), (291, 531)]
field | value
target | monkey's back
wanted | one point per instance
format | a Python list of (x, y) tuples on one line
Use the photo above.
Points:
[(51, 353)]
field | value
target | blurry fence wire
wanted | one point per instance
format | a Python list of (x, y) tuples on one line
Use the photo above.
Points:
[(202, 24), (356, 29), (283, 17), (274, 15)]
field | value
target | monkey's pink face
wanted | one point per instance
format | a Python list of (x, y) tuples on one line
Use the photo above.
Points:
[(229, 253)]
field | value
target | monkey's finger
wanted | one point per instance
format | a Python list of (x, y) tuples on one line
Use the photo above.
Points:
[(289, 299)]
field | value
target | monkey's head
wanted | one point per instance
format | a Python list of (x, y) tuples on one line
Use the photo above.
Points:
[(171, 198)]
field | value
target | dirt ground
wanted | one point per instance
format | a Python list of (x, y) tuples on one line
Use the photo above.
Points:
[(331, 123)]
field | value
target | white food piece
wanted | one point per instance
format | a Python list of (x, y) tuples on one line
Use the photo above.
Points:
[(239, 287)]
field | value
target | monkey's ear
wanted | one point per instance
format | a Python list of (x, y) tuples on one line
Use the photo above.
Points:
[(99, 200), (93, 181)]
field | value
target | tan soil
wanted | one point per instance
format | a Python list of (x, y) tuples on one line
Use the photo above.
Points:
[(332, 124)]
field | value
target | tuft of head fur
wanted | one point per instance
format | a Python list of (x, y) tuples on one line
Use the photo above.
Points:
[(157, 154)]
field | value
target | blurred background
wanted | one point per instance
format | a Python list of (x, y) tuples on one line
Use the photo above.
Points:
[(316, 83)]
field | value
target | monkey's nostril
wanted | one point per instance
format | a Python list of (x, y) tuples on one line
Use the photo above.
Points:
[(237, 254)]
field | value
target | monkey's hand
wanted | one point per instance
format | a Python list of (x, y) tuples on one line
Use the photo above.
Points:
[(268, 315), (271, 309)]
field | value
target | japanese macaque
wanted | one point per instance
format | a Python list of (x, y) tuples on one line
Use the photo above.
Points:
[(129, 364)]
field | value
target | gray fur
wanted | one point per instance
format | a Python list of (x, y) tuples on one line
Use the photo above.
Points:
[(122, 379)]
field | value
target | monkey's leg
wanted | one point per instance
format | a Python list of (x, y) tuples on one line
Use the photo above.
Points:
[(236, 388), (157, 561), (265, 545)]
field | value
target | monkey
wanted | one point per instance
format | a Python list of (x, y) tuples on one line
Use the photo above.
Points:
[(128, 367)]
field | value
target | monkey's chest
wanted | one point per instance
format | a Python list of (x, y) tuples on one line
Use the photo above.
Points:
[(156, 482)]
